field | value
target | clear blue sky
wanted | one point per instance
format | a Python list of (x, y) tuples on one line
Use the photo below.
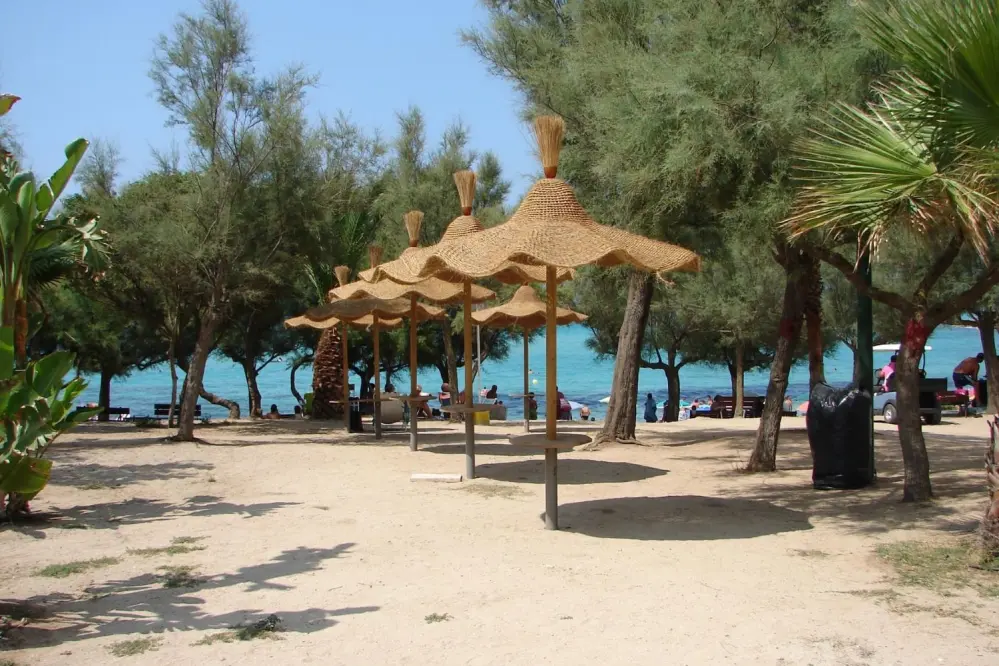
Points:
[(81, 69)]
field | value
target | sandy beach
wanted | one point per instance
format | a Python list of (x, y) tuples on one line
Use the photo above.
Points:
[(668, 554)]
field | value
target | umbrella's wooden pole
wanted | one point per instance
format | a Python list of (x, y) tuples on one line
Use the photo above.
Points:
[(469, 415), (551, 401), (377, 411), (414, 407), (527, 387), (346, 379)]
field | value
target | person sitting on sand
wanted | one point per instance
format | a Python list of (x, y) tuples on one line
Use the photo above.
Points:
[(298, 412), (584, 413), (492, 393), (273, 414), (650, 409), (422, 408), (445, 395)]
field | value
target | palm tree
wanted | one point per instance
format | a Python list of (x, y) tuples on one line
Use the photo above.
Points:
[(920, 160), (342, 241)]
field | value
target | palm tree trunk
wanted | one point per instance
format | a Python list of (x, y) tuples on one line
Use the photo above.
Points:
[(619, 425), (917, 486), (218, 400), (990, 523), (327, 376), (21, 332)]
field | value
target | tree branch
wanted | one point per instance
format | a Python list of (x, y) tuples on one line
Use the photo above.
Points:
[(840, 263), (965, 301), (947, 257)]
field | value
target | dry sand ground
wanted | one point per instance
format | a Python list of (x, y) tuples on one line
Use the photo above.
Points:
[(667, 556)]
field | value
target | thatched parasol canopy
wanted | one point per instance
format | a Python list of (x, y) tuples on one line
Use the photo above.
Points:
[(358, 308), (432, 289), (302, 321), (525, 310), (460, 229)]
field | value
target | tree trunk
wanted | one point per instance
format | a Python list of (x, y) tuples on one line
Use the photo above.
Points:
[(811, 287), (327, 376), (172, 359), (218, 400), (672, 412), (764, 457), (298, 363), (252, 390), (619, 424), (738, 380), (987, 332), (452, 367), (21, 332), (917, 486), (195, 375), (104, 397)]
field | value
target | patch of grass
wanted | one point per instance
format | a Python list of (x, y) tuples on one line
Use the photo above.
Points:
[(942, 566), (227, 636), (808, 552), (263, 628), (72, 526), (437, 617), (488, 490), (8, 662), (212, 479), (81, 566), (177, 546), (179, 576), (135, 646)]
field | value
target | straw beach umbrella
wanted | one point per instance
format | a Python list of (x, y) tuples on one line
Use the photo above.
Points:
[(527, 312), (550, 229), (370, 312), (461, 228), (434, 290)]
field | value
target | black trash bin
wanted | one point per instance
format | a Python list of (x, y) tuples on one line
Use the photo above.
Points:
[(838, 422), (355, 420), (982, 394)]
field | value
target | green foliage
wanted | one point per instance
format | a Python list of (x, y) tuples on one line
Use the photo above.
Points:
[(36, 405), (78, 567)]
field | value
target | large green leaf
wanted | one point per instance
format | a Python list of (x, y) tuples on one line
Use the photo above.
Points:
[(6, 102), (9, 217), (50, 190), (6, 353), (49, 372)]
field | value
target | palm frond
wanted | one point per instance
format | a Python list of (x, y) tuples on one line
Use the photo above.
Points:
[(866, 171), (952, 47)]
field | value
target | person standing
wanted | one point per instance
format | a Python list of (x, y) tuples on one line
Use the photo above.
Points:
[(966, 372)]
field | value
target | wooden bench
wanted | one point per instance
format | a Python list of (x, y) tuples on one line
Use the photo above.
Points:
[(723, 407), (123, 413), (162, 410)]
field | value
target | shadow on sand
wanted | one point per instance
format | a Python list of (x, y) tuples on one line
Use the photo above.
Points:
[(112, 515), (142, 604), (570, 471), (679, 518)]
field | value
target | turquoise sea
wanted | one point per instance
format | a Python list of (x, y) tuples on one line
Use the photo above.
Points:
[(581, 377)]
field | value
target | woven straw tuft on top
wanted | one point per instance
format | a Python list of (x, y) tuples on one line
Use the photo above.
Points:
[(342, 274), (413, 221), (375, 255), (358, 308), (525, 310), (434, 290)]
